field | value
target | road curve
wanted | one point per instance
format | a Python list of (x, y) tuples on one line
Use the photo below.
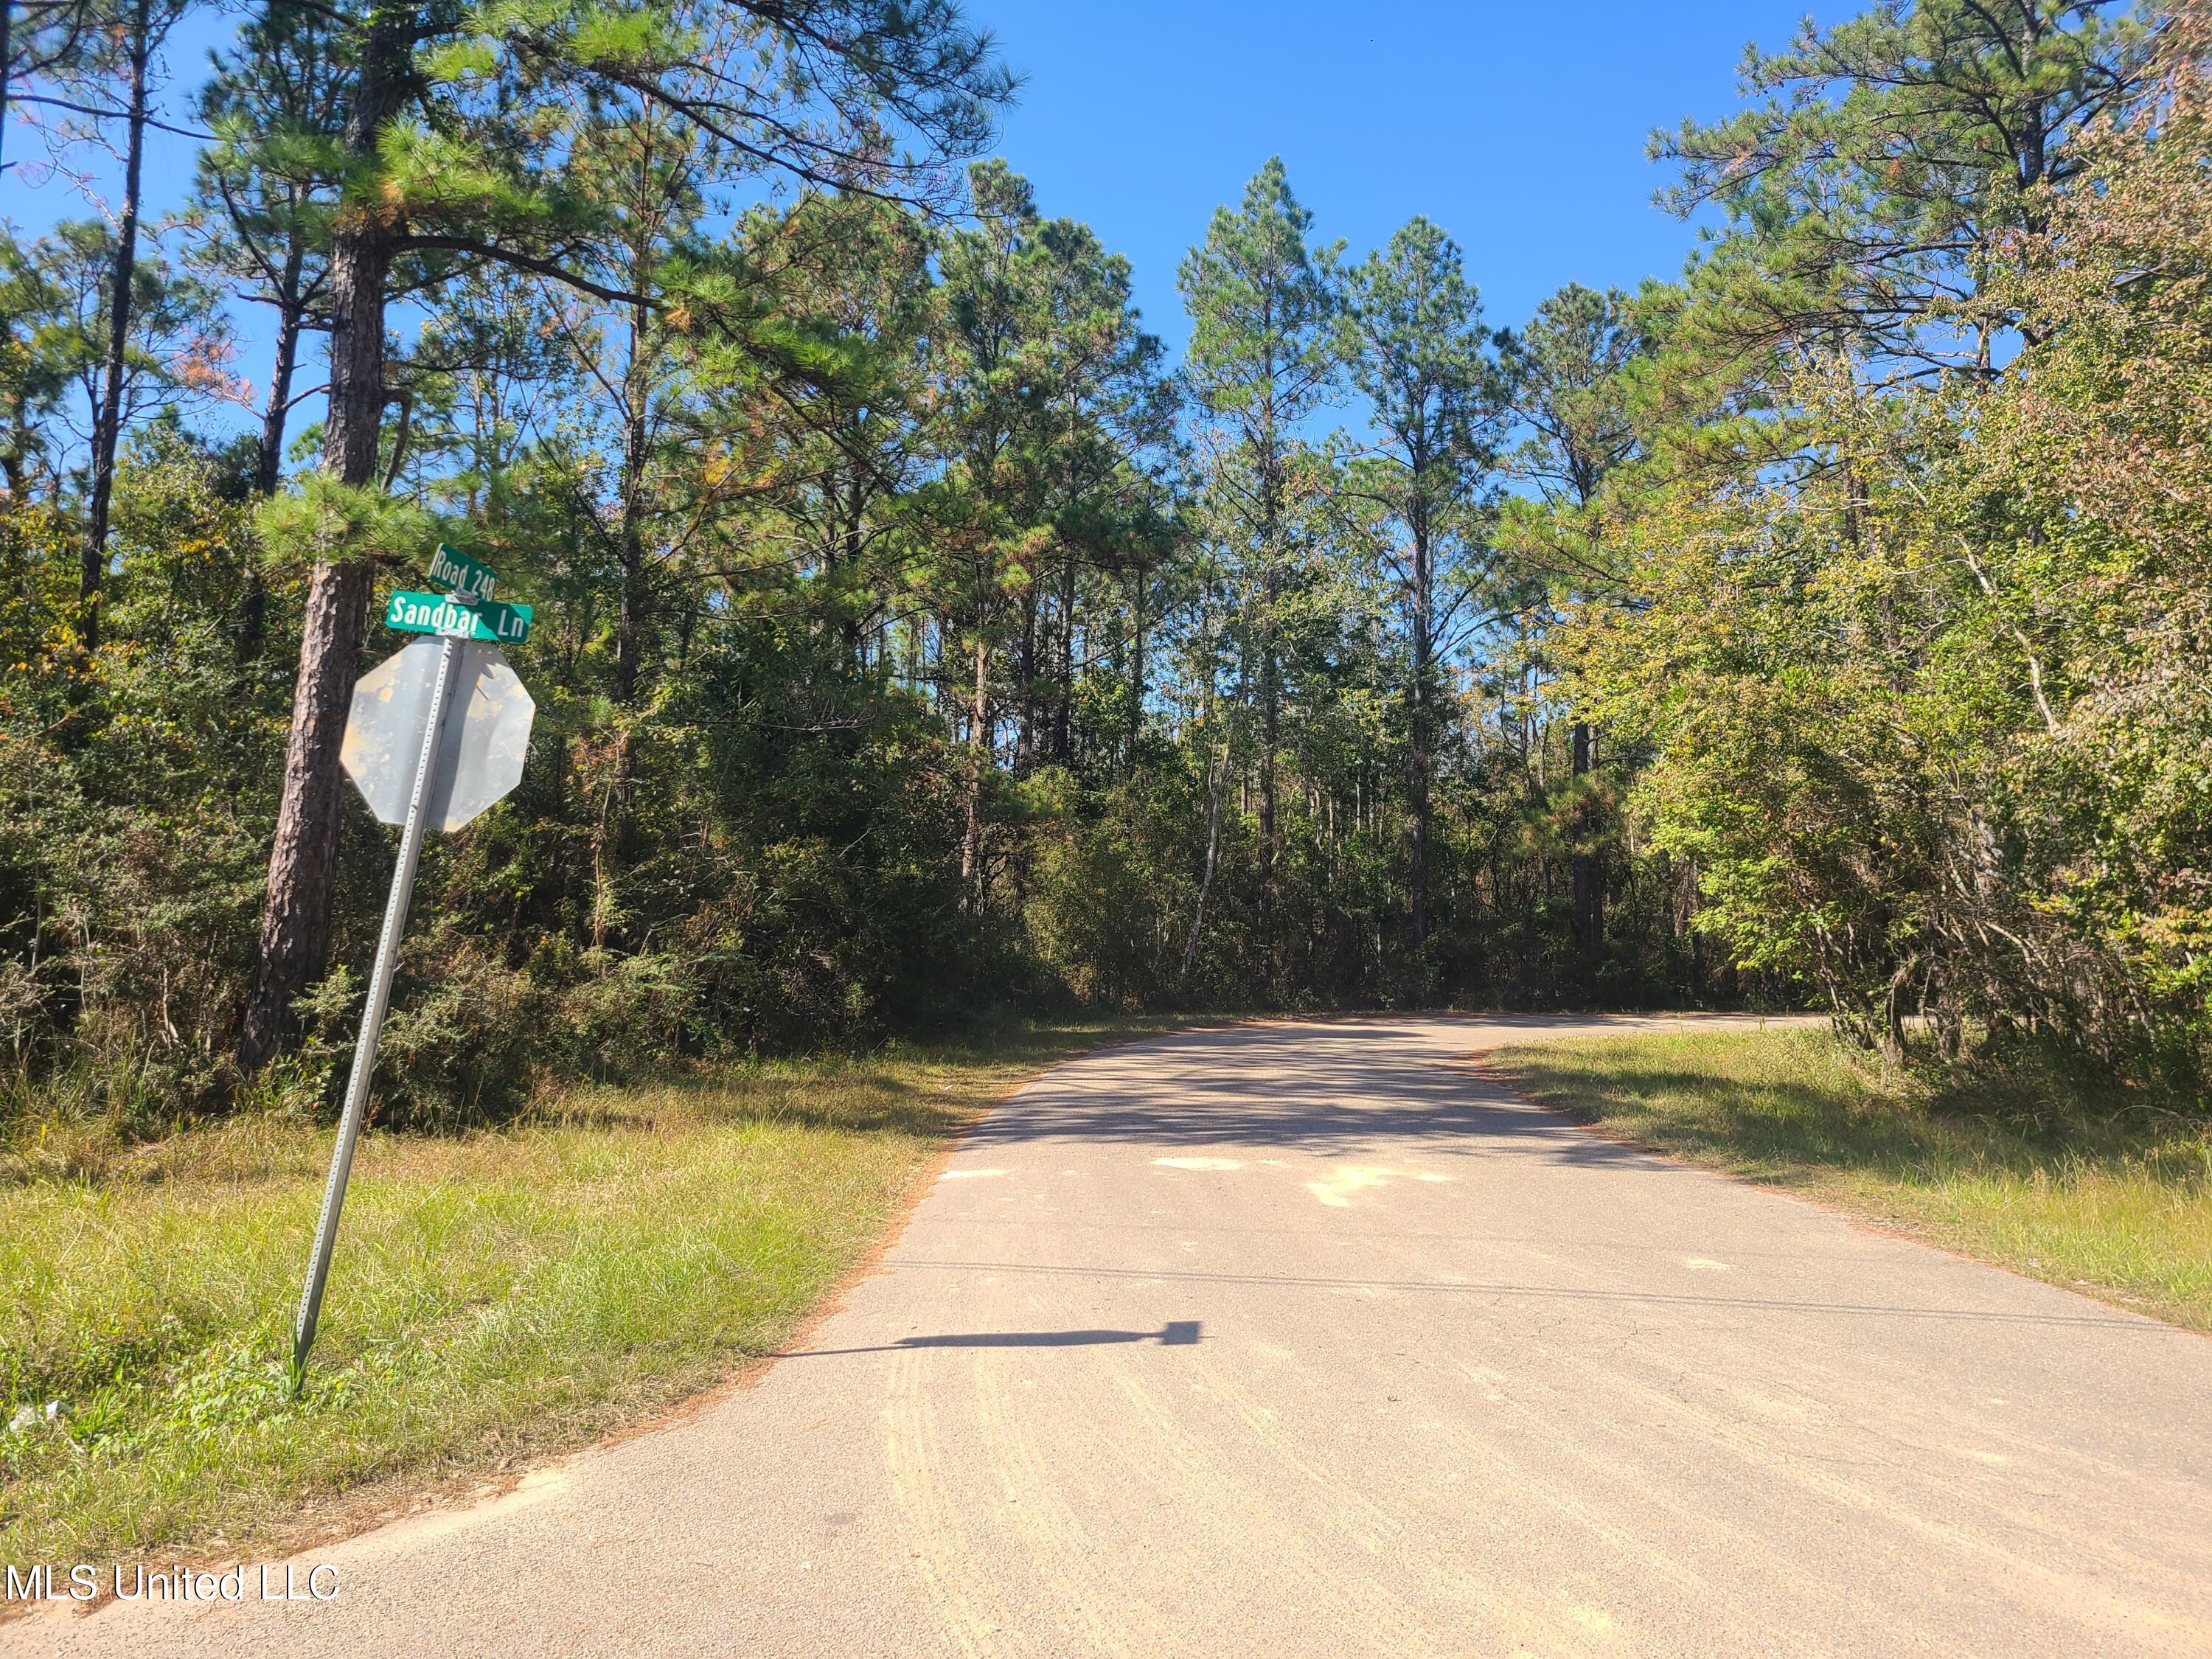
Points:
[(1305, 1340)]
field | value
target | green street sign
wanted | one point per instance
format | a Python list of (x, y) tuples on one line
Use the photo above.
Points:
[(469, 581), (435, 613)]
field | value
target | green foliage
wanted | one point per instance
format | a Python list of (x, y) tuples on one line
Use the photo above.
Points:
[(1917, 659), (132, 854), (1873, 189)]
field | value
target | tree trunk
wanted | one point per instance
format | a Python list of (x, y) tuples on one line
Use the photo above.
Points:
[(631, 603), (268, 452), (7, 56), (108, 421), (291, 321), (295, 917), (1063, 749), (1589, 893), (1212, 850), (1420, 761), (979, 761), (1136, 672), (1270, 719), (1271, 536), (856, 508), (1025, 677)]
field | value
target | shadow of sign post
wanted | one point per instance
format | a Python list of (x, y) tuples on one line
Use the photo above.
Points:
[(1176, 1333)]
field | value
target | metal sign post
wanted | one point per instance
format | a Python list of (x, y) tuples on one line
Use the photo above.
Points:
[(474, 731), (372, 1018)]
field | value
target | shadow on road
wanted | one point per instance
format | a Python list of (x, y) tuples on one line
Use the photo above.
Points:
[(1479, 1288), (1326, 1089), (1176, 1333)]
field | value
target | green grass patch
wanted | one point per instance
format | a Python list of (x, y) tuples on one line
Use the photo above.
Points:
[(495, 1298), (2096, 1190)]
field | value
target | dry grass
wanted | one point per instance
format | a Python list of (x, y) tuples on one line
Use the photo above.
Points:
[(2097, 1193), (495, 1298)]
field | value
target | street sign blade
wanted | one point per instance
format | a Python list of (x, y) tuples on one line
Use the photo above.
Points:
[(470, 580), (436, 613)]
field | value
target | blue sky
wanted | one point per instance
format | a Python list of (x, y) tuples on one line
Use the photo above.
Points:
[(1519, 128)]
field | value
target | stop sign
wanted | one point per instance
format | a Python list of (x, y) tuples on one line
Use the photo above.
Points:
[(481, 747)]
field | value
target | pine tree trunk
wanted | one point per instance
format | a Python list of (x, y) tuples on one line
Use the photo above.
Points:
[(1063, 713), (1026, 676), (1420, 761), (291, 321), (1270, 539), (1270, 722), (7, 56), (630, 602), (107, 422), (856, 508), (295, 917), (1589, 892), (268, 450), (1213, 851), (979, 761), (1136, 671)]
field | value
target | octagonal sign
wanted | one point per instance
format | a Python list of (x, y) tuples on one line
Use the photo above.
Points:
[(484, 737)]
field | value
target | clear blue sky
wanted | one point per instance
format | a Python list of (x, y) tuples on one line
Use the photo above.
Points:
[(1518, 127)]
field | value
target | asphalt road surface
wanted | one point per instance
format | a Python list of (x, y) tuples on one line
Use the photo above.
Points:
[(1302, 1339)]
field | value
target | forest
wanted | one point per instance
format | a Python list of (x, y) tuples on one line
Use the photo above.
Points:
[(1820, 627)]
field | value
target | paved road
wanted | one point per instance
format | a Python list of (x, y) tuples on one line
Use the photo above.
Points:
[(1300, 1340)]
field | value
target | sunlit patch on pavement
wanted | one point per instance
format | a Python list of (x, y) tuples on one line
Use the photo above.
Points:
[(957, 1175), (1198, 1163), (1337, 1190), (1706, 1265)]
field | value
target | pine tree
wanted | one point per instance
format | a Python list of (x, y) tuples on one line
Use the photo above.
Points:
[(267, 185), (1872, 194), (1262, 360), (1414, 340)]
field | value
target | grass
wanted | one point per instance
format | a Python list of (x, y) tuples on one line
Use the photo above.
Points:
[(497, 1298), (2091, 1190)]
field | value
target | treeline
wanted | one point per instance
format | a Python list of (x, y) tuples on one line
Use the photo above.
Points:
[(915, 639), (1907, 592)]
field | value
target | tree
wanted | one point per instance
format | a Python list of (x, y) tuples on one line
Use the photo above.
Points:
[(1568, 370), (50, 34), (1923, 706), (117, 41), (1416, 350), (1108, 411), (266, 187), (40, 348), (1262, 360), (1871, 195), (988, 369), (1050, 399), (453, 148), (821, 445), (173, 355)]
